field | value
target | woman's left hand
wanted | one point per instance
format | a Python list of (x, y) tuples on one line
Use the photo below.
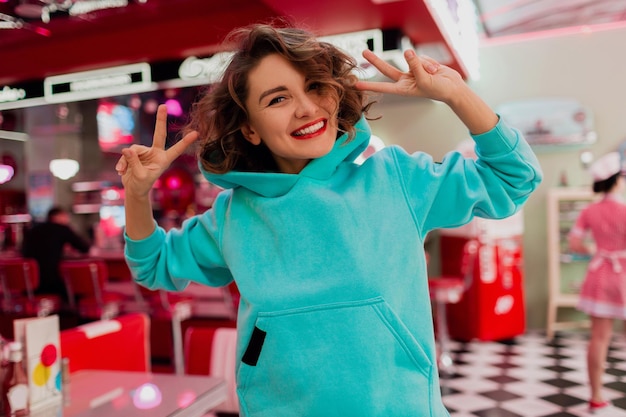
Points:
[(425, 78)]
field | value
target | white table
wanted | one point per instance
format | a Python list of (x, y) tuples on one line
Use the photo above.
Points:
[(95, 393)]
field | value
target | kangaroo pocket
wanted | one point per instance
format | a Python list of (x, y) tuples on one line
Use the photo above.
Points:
[(352, 358)]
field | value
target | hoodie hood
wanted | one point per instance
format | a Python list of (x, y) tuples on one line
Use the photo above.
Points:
[(274, 184)]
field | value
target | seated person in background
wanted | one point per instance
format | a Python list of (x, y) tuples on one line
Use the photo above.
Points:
[(45, 242)]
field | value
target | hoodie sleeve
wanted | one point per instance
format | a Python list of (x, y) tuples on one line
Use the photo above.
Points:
[(451, 193), (192, 253)]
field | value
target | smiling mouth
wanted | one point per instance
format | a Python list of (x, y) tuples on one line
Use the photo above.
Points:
[(310, 130)]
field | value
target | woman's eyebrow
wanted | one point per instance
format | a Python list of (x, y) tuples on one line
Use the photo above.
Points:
[(272, 91)]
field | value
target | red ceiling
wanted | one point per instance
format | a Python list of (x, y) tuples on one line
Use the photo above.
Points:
[(167, 29)]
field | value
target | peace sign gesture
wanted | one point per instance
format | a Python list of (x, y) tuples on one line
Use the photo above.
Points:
[(140, 166), (430, 79), (425, 78)]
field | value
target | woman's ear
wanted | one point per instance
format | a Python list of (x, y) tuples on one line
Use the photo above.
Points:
[(250, 134)]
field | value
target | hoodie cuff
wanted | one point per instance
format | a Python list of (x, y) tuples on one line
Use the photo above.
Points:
[(499, 140), (144, 248)]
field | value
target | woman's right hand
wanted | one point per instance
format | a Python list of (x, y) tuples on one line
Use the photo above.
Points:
[(140, 166)]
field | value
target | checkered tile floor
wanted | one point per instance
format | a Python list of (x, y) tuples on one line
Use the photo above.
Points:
[(530, 377)]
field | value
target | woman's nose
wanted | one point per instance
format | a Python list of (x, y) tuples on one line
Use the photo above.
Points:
[(305, 106)]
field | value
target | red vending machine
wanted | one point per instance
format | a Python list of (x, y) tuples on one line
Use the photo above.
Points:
[(492, 306)]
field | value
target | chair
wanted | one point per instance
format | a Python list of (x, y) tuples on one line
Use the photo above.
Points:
[(449, 290), (171, 307), (84, 281), (118, 344), (213, 351), (118, 269), (214, 302), (232, 298), (19, 278)]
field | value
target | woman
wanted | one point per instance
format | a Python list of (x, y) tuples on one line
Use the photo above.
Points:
[(335, 317), (603, 293)]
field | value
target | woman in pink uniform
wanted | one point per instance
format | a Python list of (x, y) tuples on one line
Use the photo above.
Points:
[(603, 293)]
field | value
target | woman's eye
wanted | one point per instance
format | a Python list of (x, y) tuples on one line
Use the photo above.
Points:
[(276, 100), (315, 86)]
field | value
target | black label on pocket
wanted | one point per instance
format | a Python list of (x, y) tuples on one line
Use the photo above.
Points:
[(253, 351)]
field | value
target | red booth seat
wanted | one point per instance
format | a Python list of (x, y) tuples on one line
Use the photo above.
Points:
[(84, 281), (212, 351), (19, 278), (122, 343)]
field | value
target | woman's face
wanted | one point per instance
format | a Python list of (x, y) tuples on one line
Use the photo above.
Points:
[(288, 113)]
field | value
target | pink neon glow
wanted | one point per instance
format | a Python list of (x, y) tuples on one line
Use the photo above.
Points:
[(568, 31), (173, 107), (174, 183), (502, 10), (6, 173), (186, 398), (121, 401), (43, 31)]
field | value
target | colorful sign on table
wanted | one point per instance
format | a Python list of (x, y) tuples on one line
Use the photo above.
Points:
[(41, 340)]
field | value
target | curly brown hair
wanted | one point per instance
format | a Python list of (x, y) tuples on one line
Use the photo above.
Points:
[(219, 115)]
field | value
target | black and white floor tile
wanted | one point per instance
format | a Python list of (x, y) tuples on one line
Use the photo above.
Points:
[(530, 377)]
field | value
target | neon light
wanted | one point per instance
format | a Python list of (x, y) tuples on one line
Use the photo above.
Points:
[(11, 94), (209, 69), (84, 7), (106, 82), (173, 107), (6, 173), (103, 82), (42, 31), (552, 33), (355, 42), (147, 396), (173, 183)]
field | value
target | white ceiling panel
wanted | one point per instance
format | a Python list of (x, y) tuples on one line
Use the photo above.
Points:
[(515, 17)]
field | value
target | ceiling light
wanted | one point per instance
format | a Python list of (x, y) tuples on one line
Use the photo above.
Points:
[(64, 168)]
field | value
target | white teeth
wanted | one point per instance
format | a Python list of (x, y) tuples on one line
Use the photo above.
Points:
[(310, 129)]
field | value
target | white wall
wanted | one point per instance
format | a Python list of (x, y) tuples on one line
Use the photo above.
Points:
[(589, 67)]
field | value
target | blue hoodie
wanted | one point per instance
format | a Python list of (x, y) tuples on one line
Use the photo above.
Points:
[(335, 317)]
